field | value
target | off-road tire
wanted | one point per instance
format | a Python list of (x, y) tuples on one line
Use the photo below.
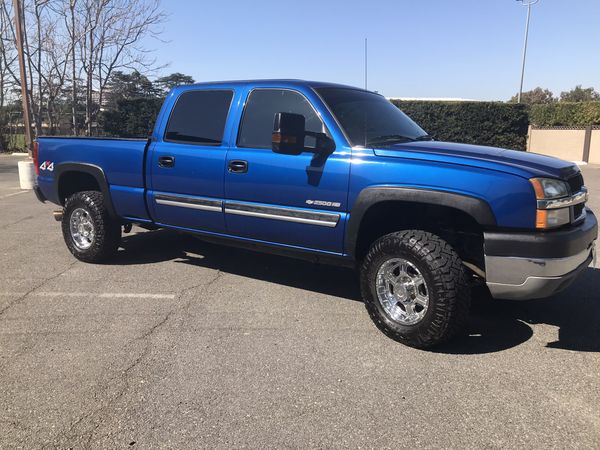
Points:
[(106, 229), (445, 277)]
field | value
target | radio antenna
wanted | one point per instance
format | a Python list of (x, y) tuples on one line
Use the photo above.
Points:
[(366, 62)]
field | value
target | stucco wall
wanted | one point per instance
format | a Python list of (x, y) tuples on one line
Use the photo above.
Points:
[(561, 143)]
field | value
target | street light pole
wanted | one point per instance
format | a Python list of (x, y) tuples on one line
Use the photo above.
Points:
[(529, 4), (24, 91)]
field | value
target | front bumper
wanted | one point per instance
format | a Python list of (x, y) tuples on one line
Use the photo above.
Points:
[(521, 266)]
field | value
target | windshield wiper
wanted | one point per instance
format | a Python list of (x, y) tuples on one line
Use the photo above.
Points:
[(391, 138), (425, 137)]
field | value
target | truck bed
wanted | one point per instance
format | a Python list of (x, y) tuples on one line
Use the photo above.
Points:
[(122, 161)]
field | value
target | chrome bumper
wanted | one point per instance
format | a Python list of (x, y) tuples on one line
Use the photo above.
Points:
[(516, 278)]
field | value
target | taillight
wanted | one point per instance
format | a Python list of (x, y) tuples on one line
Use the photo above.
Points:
[(36, 157)]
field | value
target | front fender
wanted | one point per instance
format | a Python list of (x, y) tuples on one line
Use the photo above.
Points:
[(475, 207)]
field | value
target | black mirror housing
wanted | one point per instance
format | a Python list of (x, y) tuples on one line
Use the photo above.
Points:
[(288, 133)]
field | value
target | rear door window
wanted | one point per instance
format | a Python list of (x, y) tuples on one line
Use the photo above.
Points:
[(199, 117)]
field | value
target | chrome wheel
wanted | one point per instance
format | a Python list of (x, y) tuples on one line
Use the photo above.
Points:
[(81, 228), (402, 291)]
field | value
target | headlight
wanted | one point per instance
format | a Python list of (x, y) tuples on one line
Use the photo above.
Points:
[(549, 189)]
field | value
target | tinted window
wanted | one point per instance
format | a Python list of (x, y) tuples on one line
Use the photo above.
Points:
[(368, 118), (257, 124), (199, 117)]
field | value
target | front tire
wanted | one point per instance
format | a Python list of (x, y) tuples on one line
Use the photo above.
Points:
[(90, 233), (415, 288)]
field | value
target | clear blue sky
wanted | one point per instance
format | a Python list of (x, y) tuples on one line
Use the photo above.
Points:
[(417, 48)]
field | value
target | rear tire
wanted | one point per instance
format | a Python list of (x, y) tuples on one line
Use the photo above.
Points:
[(90, 233), (415, 288)]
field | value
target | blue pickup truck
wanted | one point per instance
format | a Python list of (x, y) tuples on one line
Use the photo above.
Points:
[(338, 175)]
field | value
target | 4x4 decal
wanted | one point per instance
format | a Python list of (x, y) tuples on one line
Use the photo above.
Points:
[(47, 165)]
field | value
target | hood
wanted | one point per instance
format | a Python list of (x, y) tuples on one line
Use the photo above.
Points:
[(524, 164)]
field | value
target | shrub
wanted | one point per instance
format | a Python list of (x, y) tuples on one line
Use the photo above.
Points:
[(565, 114), (483, 123)]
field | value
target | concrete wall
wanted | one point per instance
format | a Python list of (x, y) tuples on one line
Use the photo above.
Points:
[(562, 143)]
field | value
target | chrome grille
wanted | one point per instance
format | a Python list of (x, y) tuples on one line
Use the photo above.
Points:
[(575, 183)]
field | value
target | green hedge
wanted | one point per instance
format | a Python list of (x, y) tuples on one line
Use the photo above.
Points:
[(565, 114), (484, 123)]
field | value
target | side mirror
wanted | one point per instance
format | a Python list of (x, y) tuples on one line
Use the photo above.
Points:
[(288, 133)]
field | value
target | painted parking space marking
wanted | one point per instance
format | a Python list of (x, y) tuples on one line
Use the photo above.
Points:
[(12, 194), (92, 294)]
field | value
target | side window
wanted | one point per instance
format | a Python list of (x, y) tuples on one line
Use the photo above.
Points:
[(199, 117), (257, 123)]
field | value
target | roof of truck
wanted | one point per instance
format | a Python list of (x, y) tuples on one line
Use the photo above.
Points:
[(278, 81)]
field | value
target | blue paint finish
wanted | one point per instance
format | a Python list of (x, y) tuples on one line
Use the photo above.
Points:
[(290, 181), (511, 197), (187, 217), (497, 176), (283, 232), (128, 201), (256, 241), (120, 159)]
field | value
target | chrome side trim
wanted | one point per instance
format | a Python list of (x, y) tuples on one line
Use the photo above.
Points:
[(204, 204), (575, 199), (285, 214)]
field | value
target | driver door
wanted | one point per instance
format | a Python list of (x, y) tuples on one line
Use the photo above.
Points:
[(294, 200)]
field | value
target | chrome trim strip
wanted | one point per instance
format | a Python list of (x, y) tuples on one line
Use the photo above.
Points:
[(285, 214), (575, 199), (203, 204)]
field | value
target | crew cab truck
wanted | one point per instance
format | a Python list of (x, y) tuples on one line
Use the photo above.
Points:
[(339, 175)]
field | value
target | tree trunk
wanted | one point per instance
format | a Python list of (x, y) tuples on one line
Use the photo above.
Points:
[(73, 69)]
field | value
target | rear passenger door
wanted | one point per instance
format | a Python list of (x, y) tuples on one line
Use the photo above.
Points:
[(297, 200), (188, 162)]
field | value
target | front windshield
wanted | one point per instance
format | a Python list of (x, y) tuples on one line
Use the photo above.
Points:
[(369, 119)]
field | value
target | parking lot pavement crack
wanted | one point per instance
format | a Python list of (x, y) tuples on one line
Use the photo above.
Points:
[(190, 289), (35, 288), (124, 376)]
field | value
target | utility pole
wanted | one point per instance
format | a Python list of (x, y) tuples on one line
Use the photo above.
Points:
[(24, 91), (529, 4)]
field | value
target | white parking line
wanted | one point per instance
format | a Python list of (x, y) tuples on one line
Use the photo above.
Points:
[(92, 294), (10, 195)]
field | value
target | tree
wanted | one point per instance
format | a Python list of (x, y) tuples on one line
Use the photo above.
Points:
[(132, 117), (127, 86), (166, 83), (579, 94), (113, 33), (535, 97), (71, 50)]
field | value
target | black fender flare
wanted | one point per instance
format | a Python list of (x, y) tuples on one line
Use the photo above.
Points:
[(475, 207), (90, 169)]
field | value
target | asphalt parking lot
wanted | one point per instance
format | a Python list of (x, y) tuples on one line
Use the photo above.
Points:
[(184, 344)]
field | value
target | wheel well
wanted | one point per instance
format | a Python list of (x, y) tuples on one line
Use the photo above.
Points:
[(72, 182), (456, 227)]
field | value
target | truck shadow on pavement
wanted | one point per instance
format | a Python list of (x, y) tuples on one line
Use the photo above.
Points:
[(493, 325)]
